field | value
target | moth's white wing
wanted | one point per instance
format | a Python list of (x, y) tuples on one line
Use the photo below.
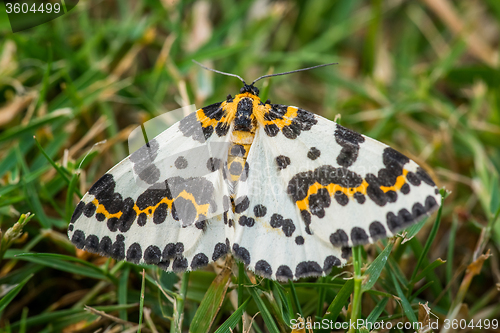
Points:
[(352, 189), (164, 204), (268, 233), (337, 187)]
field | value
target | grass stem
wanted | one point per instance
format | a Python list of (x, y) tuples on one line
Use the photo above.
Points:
[(358, 278)]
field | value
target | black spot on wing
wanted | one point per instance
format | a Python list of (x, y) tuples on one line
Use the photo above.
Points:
[(89, 209), (128, 215), (179, 265), (134, 253), (406, 217), (418, 211), (92, 244), (143, 162), (241, 253), (282, 162), (213, 111), (329, 263), (199, 260), (242, 204), (360, 197), (424, 176), (313, 153), (291, 131), (222, 128), (263, 268), (308, 268), (430, 204), (260, 210), (306, 119), (244, 174), (288, 227), (106, 246), (341, 198), (405, 189), (78, 212), (78, 239), (339, 238), (394, 162), (246, 221), (413, 179), (349, 141), (191, 127), (277, 111), (214, 164), (181, 162), (319, 201), (284, 273), (358, 236), (377, 230), (118, 248), (276, 221), (172, 250), (220, 250), (112, 224), (271, 130), (346, 252), (299, 185), (152, 255), (160, 213), (393, 222), (142, 219), (299, 240)]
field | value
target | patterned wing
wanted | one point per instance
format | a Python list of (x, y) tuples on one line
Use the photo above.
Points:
[(341, 188), (268, 233), (164, 203)]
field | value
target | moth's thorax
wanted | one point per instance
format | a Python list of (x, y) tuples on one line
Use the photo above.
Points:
[(246, 112)]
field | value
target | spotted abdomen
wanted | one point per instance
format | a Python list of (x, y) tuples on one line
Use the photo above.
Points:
[(237, 165)]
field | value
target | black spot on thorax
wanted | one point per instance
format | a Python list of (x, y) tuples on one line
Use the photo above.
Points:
[(243, 119)]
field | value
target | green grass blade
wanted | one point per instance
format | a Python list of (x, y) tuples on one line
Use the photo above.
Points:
[(430, 239), (264, 311), (431, 267), (295, 298), (284, 302), (122, 291), (339, 301), (72, 188), (410, 314), (17, 131), (233, 319), (373, 272), (49, 317), (377, 311), (211, 303), (62, 262), (12, 293), (141, 302)]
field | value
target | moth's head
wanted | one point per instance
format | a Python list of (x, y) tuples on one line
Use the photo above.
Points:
[(249, 89)]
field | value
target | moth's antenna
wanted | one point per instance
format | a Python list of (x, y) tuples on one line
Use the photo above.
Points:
[(295, 71), (216, 71)]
